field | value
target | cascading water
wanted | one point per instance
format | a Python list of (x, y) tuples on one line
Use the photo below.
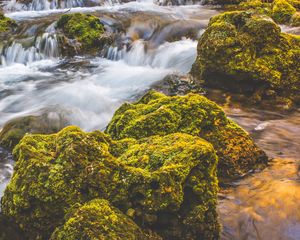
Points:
[(87, 90), (45, 47), (38, 5), (42, 5)]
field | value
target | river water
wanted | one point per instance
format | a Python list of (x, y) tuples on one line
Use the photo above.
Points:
[(153, 42)]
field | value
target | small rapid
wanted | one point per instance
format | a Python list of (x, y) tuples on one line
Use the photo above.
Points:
[(90, 88), (105, 87), (45, 47)]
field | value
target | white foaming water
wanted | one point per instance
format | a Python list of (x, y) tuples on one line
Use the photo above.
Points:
[(45, 47), (6, 169), (91, 99), (38, 5), (165, 56), (180, 12)]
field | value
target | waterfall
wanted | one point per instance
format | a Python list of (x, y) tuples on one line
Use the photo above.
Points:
[(115, 54), (46, 46)]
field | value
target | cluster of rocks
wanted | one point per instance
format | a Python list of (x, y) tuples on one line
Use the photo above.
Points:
[(153, 174)]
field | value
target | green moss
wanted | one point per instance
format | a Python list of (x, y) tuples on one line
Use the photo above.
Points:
[(97, 219), (6, 23), (161, 182), (295, 3), (252, 4), (245, 52), (51, 174), (222, 2), (295, 20), (257, 6), (86, 29), (14, 130), (195, 115), (282, 11)]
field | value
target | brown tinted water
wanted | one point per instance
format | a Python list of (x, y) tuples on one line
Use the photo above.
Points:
[(265, 205)]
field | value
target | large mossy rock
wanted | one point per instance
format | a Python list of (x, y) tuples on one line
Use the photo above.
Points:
[(14, 130), (164, 183), (81, 33), (97, 219), (244, 52), (157, 114)]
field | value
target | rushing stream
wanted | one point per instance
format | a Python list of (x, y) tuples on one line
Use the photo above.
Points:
[(156, 41)]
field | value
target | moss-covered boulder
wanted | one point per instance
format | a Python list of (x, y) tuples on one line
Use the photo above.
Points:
[(164, 183), (6, 24), (14, 130), (245, 52), (81, 33), (157, 114), (97, 219), (282, 11)]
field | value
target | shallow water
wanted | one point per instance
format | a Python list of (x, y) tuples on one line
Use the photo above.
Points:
[(154, 42), (265, 205)]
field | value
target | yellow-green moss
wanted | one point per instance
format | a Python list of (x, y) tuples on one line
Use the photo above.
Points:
[(252, 4), (86, 29), (6, 23), (179, 179), (295, 3), (97, 219), (164, 183), (295, 20), (195, 115), (282, 11), (245, 52)]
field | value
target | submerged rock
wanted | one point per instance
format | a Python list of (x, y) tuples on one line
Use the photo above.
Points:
[(245, 52), (14, 130), (174, 84), (157, 114), (82, 33), (167, 184)]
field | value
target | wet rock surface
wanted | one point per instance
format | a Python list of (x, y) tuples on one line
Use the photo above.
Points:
[(15, 130)]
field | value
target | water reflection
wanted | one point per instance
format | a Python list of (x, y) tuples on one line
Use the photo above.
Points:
[(265, 205)]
